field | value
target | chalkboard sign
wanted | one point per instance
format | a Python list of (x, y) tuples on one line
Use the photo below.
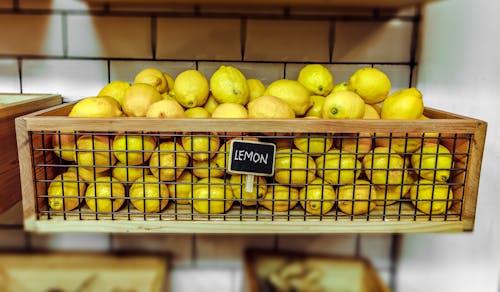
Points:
[(250, 157)]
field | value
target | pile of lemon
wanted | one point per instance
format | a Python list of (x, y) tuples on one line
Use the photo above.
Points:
[(315, 171)]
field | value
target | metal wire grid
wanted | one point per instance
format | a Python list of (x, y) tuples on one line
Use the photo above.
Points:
[(235, 204)]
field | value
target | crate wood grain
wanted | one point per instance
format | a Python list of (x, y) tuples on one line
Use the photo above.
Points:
[(399, 217)]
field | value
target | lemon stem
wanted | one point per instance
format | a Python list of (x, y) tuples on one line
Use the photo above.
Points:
[(334, 111)]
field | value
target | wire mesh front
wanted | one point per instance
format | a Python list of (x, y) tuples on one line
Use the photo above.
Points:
[(185, 177)]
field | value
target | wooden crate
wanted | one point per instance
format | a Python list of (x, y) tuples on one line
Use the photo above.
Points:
[(266, 269), (12, 106), (81, 272), (466, 135)]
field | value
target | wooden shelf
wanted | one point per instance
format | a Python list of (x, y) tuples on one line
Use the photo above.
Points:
[(341, 3)]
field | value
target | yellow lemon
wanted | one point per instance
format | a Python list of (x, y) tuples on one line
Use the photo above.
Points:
[(405, 104), (280, 198), (354, 143), (211, 104), (191, 88), (153, 77), (197, 113), (317, 105), (212, 196), (94, 152), (431, 198), (371, 84), (433, 162), (338, 168), (170, 82), (128, 174), (200, 147), (165, 108), (384, 167), (138, 98), (106, 194), (133, 149), (147, 194), (255, 88), (182, 189), (371, 113), (388, 195), (64, 145), (65, 192), (115, 89), (228, 84), (230, 111), (269, 107), (293, 166), (207, 168), (340, 87), (87, 174), (291, 92), (318, 197), (221, 159), (316, 78), (96, 107), (399, 142), (168, 161), (343, 105), (259, 189), (356, 199), (313, 144)]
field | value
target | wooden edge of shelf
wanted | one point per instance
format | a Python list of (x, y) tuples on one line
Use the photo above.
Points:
[(295, 227)]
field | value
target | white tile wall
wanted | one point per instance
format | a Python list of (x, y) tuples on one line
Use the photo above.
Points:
[(9, 79), (207, 280), (71, 242), (126, 70)]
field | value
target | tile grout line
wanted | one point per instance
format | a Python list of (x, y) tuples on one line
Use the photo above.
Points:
[(243, 37), (154, 28), (64, 27), (20, 72)]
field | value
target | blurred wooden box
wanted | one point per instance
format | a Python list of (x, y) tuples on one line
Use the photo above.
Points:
[(81, 272), (12, 106), (335, 273)]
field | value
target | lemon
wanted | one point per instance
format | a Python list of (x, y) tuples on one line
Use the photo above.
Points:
[(371, 84), (210, 104), (340, 87), (338, 168), (269, 107), (127, 174), (64, 145), (317, 105), (133, 149), (371, 113), (107, 194), (170, 82), (221, 159), (318, 197), (65, 186), (343, 105), (168, 161), (248, 198), (399, 142), (165, 108), (200, 147), (212, 196), (316, 78), (313, 144), (255, 88), (207, 168), (433, 162), (115, 89), (228, 84), (384, 167), (293, 166), (197, 113), (230, 111), (148, 195), (138, 98), (356, 199), (388, 195), (153, 77), (291, 92), (182, 189), (354, 143), (87, 174), (280, 198), (191, 88), (96, 107), (94, 152), (431, 198), (404, 104)]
